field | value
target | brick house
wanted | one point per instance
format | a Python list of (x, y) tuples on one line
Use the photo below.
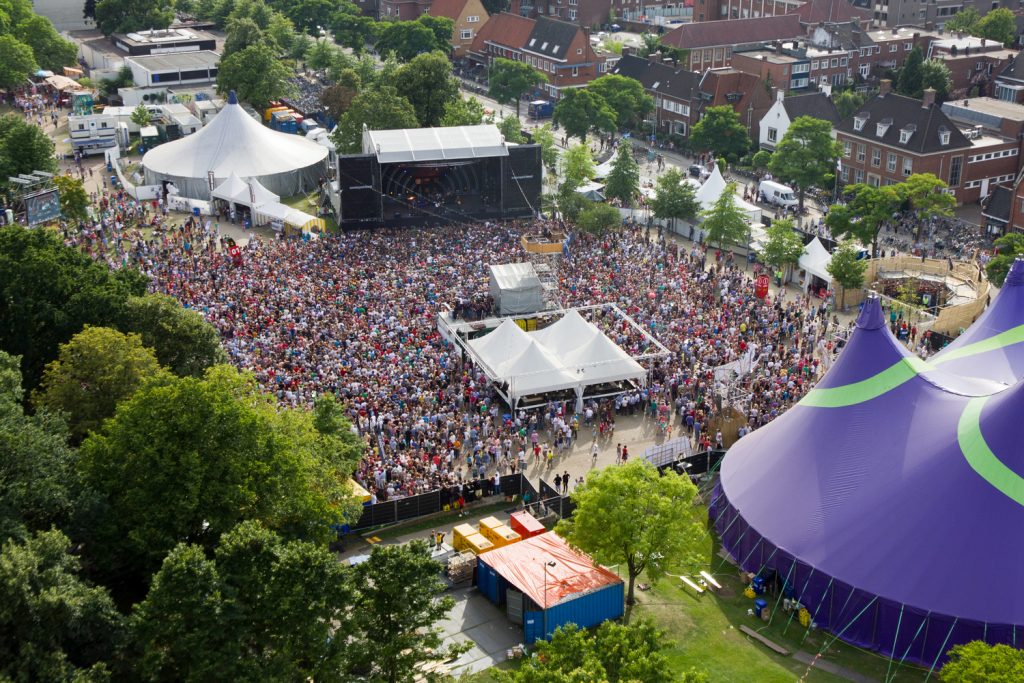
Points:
[(558, 49), (468, 15), (596, 13), (785, 110), (712, 43), (973, 62), (673, 89), (1009, 81), (402, 10), (891, 137), (744, 92)]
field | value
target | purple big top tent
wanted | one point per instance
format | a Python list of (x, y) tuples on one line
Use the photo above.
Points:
[(890, 498)]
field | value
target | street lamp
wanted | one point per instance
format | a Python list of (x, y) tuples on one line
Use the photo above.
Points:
[(544, 614)]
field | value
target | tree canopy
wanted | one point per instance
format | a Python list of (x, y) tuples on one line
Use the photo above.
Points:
[(406, 39), (1007, 248), (626, 97), (427, 82), (863, 216), (1000, 25), (783, 248), (847, 102), (23, 148), (183, 341), (926, 194), (909, 80), (50, 49), (846, 268), (724, 221), (721, 131), (17, 62), (509, 80), (806, 156), (977, 662), (74, 201), (255, 74), (378, 109), (122, 16), (512, 129), (598, 218), (673, 198), (632, 515), (578, 167), (463, 112), (623, 182), (581, 111)]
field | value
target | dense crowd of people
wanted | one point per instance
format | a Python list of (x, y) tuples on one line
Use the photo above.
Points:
[(356, 315)]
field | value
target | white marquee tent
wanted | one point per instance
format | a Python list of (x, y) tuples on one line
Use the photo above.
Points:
[(516, 288), (712, 189), (814, 262), (571, 353), (234, 143), (248, 193)]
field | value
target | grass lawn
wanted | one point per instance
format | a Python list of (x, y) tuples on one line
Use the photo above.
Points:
[(300, 202)]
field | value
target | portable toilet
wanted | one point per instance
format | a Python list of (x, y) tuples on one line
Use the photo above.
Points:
[(459, 536)]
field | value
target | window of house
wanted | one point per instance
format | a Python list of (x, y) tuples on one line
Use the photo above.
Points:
[(908, 46), (874, 180), (890, 163), (864, 70), (543, 46), (908, 165), (858, 175), (955, 166), (773, 134), (718, 54), (859, 121), (814, 65), (905, 135), (472, 19), (847, 148), (466, 34), (882, 127), (835, 62), (893, 47), (860, 153), (842, 62), (572, 14), (943, 137), (680, 127), (876, 157), (575, 71), (844, 173)]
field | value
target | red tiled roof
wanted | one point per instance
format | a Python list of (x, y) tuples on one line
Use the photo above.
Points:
[(447, 8), (506, 29), (733, 32)]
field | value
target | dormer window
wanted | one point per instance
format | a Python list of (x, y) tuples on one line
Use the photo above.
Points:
[(943, 136), (882, 127), (859, 120), (906, 133)]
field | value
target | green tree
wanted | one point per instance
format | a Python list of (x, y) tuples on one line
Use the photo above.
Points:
[(599, 218), (353, 31), (509, 80), (806, 156), (847, 269), (74, 202), (37, 485), (623, 182), (427, 82), (720, 130), (978, 662), (909, 80), (463, 112), (321, 55), (337, 98), (578, 167), (545, 137), (50, 292), (761, 159), (378, 109), (243, 32), (935, 75), (182, 340), (261, 608), (926, 194), (724, 222), (300, 46), (999, 25), (848, 101), (512, 129), (613, 652), (184, 460), (626, 97), (97, 369), (281, 30), (53, 626), (256, 75), (1008, 247), (406, 39), (581, 111), (631, 515), (673, 198), (257, 11), (397, 606), (863, 216), (964, 21), (141, 116), (442, 28), (123, 16), (51, 51), (17, 63), (783, 248), (309, 15)]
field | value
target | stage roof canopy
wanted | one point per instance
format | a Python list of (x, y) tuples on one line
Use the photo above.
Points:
[(434, 144)]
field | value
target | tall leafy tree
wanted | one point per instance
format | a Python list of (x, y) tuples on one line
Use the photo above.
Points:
[(721, 131), (255, 74), (321, 55), (509, 80), (97, 369), (442, 28), (281, 30), (978, 662), (935, 75), (635, 517), (926, 194), (261, 608), (1007, 248), (50, 292), (863, 216), (242, 32), (724, 221), (581, 111), (309, 15), (463, 112), (545, 137), (806, 156), (74, 202), (51, 51), (429, 85), (847, 269), (999, 25), (847, 102), (406, 39), (378, 109), (182, 340), (184, 460), (673, 198), (512, 129), (17, 62), (783, 248), (122, 16), (395, 613), (578, 167), (338, 98), (626, 97), (352, 29), (909, 80), (37, 486), (623, 182), (598, 218), (966, 21), (53, 625), (141, 116)]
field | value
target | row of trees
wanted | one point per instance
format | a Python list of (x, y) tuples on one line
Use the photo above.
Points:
[(999, 24), (29, 42)]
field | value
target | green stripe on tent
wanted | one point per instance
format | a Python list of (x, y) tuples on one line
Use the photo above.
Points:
[(1014, 335), (980, 457)]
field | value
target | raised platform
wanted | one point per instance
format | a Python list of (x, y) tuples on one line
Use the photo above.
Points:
[(544, 244)]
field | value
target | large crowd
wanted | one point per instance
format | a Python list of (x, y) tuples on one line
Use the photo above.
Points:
[(356, 315)]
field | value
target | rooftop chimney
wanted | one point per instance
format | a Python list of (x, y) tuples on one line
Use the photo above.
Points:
[(654, 57), (780, 94), (884, 87), (928, 98)]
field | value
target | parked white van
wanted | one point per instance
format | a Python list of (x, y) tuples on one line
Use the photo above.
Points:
[(777, 193)]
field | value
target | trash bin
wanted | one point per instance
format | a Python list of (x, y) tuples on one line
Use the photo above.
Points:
[(195, 211), (758, 585), (759, 606)]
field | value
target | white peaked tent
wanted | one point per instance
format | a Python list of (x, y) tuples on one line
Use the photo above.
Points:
[(814, 262), (234, 143), (567, 334), (501, 345), (536, 370), (248, 193), (516, 288), (712, 189)]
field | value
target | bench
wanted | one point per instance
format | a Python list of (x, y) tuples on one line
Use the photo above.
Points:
[(774, 647), (696, 589), (711, 580)]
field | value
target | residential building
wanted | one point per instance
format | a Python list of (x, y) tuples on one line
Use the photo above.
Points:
[(598, 13), (935, 13), (1009, 81), (468, 15), (674, 91), (986, 116), (891, 137), (744, 92), (785, 110), (560, 50), (973, 62), (712, 43), (402, 10)]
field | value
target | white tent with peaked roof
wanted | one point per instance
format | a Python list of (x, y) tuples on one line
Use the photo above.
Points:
[(712, 188), (814, 262)]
